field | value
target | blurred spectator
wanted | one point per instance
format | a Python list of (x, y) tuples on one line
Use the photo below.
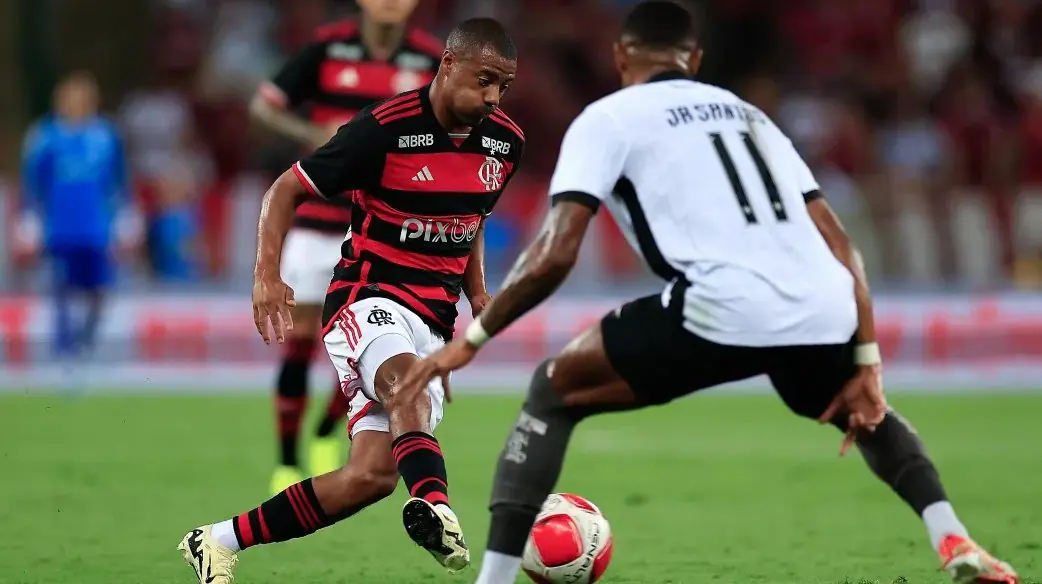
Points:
[(75, 187), (915, 171), (175, 243), (983, 141)]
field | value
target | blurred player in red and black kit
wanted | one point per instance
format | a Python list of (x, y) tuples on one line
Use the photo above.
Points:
[(423, 170), (348, 66)]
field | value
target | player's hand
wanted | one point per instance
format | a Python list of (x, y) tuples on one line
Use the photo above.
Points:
[(862, 401), (478, 302), (445, 360), (272, 301)]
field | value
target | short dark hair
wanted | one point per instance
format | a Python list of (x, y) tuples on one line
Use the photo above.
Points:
[(478, 33), (661, 24)]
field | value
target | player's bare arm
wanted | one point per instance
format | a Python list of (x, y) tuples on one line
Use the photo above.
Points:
[(847, 253), (862, 399), (272, 298), (288, 124), (474, 277), (539, 271), (542, 267)]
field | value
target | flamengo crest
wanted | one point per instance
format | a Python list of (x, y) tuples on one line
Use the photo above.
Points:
[(491, 173)]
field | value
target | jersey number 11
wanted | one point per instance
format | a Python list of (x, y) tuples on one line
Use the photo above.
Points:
[(736, 182)]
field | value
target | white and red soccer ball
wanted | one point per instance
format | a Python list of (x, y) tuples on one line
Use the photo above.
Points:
[(570, 542)]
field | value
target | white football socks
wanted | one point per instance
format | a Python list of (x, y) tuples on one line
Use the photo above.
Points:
[(498, 568), (224, 533), (940, 520)]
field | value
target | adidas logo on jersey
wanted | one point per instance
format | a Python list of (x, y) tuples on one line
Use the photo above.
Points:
[(424, 175), (495, 146), (415, 140)]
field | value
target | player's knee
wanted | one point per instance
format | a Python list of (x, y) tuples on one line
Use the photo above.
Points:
[(372, 484), (388, 383), (543, 394)]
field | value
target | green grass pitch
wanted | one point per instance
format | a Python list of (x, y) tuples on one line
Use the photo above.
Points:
[(714, 489)]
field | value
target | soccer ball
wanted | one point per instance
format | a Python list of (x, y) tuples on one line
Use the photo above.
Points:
[(570, 542)]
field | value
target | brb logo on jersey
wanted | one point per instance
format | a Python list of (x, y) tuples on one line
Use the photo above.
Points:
[(415, 140), (495, 146), (435, 231), (491, 173)]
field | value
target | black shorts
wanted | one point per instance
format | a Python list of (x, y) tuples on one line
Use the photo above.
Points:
[(661, 360)]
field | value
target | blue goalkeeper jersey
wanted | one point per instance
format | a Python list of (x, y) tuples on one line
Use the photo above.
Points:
[(74, 179)]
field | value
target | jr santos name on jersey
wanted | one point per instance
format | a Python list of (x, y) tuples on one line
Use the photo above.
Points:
[(704, 112)]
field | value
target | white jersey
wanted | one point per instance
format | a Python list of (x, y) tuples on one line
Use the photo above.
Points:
[(708, 189)]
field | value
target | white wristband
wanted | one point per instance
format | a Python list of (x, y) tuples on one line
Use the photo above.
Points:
[(868, 354), (476, 334)]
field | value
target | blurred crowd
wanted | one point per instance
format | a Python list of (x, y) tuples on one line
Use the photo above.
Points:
[(922, 118)]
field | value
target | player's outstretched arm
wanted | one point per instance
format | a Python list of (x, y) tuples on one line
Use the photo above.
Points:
[(538, 272), (272, 298), (542, 267)]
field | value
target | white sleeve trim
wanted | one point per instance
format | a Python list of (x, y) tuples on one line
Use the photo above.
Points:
[(305, 180)]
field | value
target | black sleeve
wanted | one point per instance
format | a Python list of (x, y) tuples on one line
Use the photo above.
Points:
[(351, 160), (585, 199), (298, 78), (812, 196)]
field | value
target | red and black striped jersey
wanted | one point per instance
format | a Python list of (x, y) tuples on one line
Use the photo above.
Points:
[(333, 78), (419, 200)]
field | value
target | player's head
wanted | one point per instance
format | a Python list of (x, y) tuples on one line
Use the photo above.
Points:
[(657, 35), (479, 64), (76, 96), (387, 11)]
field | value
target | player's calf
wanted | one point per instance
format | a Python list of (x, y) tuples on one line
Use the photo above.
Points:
[(427, 517), (318, 502), (895, 453), (415, 449), (530, 463)]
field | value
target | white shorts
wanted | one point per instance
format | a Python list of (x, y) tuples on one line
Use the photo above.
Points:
[(308, 259), (363, 336)]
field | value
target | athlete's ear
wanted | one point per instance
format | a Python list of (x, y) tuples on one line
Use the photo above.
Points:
[(448, 58), (619, 54), (695, 62)]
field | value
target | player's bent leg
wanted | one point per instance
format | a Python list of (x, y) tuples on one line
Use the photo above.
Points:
[(369, 476), (896, 454), (373, 342), (428, 519), (578, 383), (808, 378)]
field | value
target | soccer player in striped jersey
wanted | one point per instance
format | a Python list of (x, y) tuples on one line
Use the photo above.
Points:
[(423, 170), (346, 67)]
